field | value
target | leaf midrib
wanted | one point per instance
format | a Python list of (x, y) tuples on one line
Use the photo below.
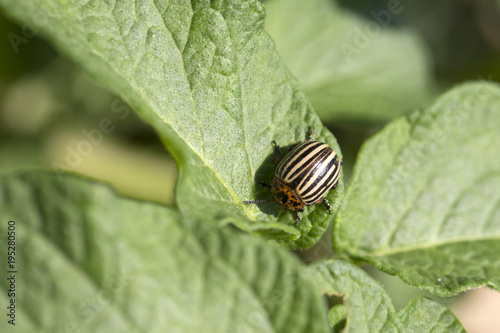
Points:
[(138, 92), (430, 245)]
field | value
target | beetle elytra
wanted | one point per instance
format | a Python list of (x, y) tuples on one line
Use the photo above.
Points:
[(309, 170)]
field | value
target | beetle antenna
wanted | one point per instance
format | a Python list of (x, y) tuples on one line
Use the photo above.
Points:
[(257, 201)]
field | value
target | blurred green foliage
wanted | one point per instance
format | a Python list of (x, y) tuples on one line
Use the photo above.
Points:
[(46, 103)]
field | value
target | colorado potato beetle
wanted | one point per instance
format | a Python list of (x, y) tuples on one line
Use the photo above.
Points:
[(309, 170)]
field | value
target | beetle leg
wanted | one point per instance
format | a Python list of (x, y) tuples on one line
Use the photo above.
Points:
[(297, 219), (264, 184), (328, 207), (310, 133), (278, 154), (342, 163)]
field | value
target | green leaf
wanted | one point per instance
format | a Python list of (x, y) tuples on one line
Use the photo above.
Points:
[(423, 201), (351, 68), (369, 308), (425, 315), (207, 77), (101, 263), (337, 317)]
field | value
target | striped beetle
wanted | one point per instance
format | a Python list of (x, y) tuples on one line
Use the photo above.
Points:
[(309, 170)]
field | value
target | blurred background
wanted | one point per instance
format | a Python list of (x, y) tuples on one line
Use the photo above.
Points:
[(361, 63)]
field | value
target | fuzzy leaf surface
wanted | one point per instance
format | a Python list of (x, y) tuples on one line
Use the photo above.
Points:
[(423, 201), (102, 263), (369, 307), (425, 315), (208, 78)]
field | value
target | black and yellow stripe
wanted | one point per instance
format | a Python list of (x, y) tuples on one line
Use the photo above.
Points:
[(311, 168)]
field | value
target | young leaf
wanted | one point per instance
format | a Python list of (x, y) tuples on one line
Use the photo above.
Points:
[(207, 77), (425, 315), (337, 317), (423, 201), (351, 68), (369, 308), (101, 263)]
